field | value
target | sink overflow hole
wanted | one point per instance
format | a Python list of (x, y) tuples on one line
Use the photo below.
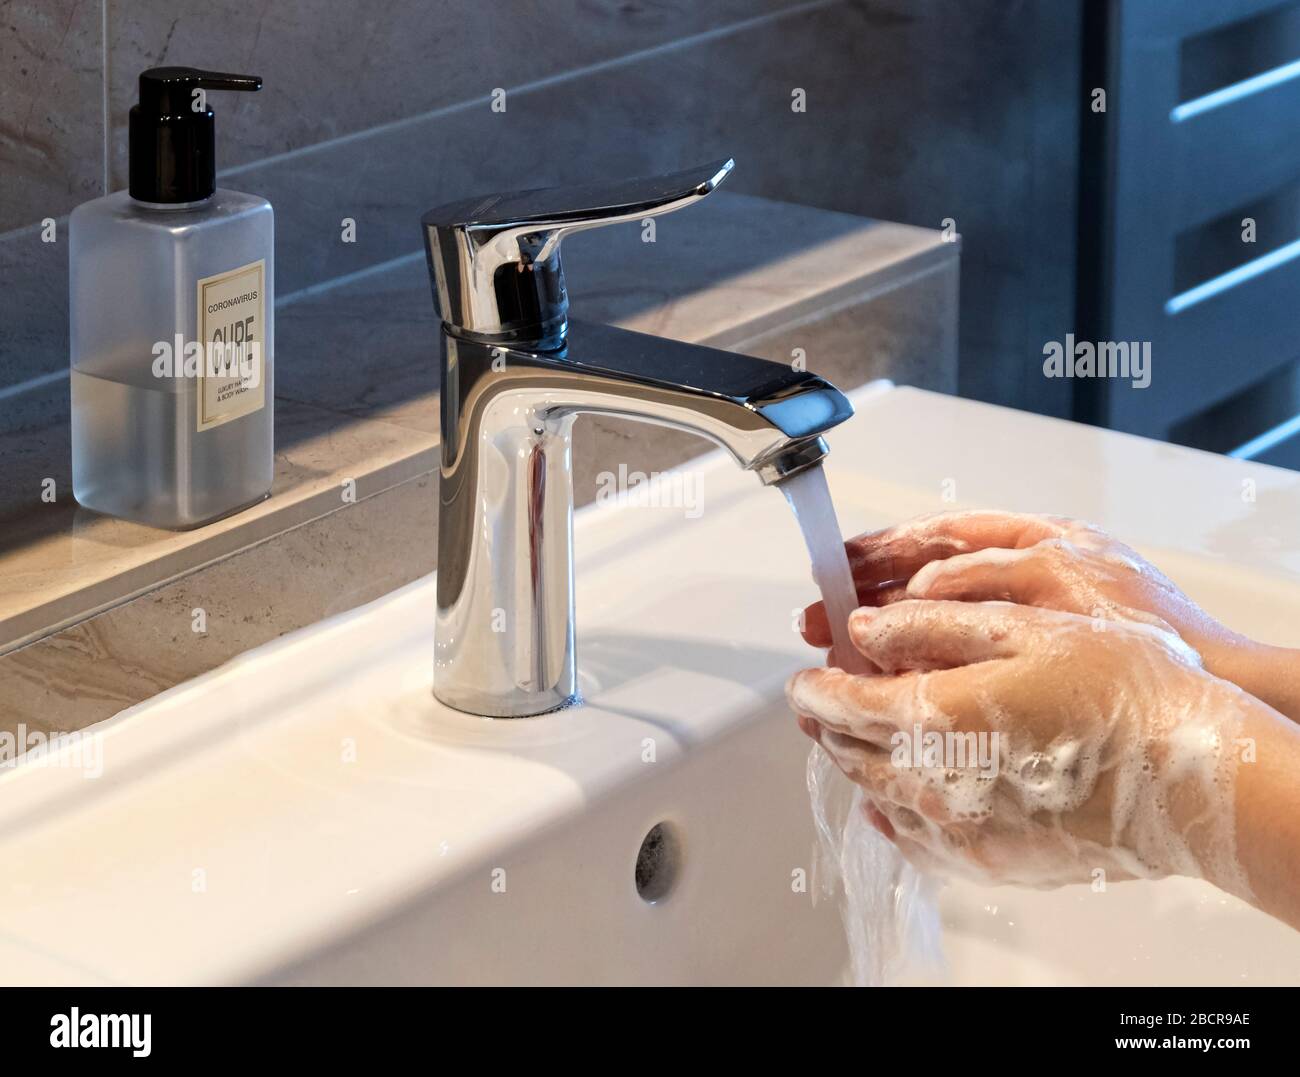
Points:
[(657, 863)]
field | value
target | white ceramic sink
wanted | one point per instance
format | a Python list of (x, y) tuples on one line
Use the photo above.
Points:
[(309, 814)]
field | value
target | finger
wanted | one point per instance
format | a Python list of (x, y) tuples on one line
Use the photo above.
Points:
[(877, 818), (810, 727), (917, 852), (888, 593), (873, 769), (851, 660), (815, 627), (821, 636), (916, 792), (872, 709), (937, 635), (897, 553), (906, 822), (985, 576), (861, 760)]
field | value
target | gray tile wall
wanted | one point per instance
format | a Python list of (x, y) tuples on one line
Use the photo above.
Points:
[(51, 108), (917, 110)]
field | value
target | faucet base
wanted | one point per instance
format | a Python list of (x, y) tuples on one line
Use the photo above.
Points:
[(528, 705), (504, 637)]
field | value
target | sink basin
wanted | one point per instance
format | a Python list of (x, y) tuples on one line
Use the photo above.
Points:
[(309, 813)]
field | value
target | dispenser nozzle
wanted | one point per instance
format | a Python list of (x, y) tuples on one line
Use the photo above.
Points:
[(172, 154)]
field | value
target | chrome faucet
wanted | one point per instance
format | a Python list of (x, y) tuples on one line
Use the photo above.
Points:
[(515, 374)]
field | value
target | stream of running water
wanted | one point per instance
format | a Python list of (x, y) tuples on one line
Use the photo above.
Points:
[(888, 908)]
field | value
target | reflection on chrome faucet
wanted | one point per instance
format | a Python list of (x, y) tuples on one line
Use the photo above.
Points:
[(515, 374)]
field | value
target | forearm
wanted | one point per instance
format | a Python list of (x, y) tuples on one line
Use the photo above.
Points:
[(1271, 674), (1268, 812)]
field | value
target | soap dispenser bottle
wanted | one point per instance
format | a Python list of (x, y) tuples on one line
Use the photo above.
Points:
[(172, 303)]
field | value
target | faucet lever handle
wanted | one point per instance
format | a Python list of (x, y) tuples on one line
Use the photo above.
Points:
[(495, 261), (554, 212)]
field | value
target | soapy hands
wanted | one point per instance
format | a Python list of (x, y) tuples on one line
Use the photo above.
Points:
[(1021, 745), (1061, 564), (1136, 735)]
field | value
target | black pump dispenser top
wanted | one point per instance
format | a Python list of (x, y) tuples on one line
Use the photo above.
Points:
[(172, 152)]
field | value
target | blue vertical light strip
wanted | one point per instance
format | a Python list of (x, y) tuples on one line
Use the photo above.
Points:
[(1226, 281), (1236, 92), (1269, 439)]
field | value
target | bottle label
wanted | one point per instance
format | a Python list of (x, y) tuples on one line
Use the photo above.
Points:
[(232, 381)]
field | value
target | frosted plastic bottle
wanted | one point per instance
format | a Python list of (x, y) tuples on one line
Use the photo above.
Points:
[(159, 435)]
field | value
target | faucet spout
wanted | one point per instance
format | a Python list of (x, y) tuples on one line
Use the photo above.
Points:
[(754, 409)]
